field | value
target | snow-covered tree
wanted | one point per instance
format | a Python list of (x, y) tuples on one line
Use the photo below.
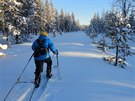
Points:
[(49, 16), (1, 17), (62, 21), (77, 25), (10, 12), (95, 26), (57, 22), (68, 22), (120, 33), (23, 20), (132, 19), (73, 22), (19, 18), (124, 6), (119, 27), (16, 14), (38, 22)]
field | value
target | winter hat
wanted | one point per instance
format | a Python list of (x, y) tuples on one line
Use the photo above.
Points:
[(43, 33)]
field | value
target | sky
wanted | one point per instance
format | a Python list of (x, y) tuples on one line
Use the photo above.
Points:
[(83, 9)]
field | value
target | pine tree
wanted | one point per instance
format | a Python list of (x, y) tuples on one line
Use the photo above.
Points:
[(53, 18), (120, 34), (16, 15), (1, 16), (22, 22), (10, 12), (73, 22), (119, 27), (123, 33), (49, 16), (62, 20), (57, 22), (39, 20), (77, 25), (67, 23), (93, 29), (124, 6), (132, 19), (97, 28)]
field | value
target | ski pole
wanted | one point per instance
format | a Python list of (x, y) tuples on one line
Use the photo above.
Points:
[(24, 68), (58, 66), (57, 60)]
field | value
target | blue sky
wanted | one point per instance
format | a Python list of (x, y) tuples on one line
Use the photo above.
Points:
[(83, 9)]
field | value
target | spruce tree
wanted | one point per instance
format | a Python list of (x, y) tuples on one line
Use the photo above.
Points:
[(49, 16), (62, 20), (38, 20), (57, 23)]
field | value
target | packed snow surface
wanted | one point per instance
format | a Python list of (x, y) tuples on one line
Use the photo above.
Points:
[(83, 75)]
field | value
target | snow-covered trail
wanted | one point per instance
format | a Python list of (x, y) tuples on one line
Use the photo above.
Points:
[(83, 74), (11, 67), (85, 77)]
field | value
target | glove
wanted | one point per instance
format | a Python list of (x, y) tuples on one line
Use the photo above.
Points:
[(56, 52)]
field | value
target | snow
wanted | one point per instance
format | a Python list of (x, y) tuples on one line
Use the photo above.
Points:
[(3, 46), (2, 54), (17, 3), (84, 76)]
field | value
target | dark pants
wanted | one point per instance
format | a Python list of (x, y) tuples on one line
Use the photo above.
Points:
[(39, 66)]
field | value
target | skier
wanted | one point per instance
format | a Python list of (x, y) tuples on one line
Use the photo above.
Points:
[(41, 47)]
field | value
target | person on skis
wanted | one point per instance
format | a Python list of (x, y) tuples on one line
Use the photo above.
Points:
[(41, 48)]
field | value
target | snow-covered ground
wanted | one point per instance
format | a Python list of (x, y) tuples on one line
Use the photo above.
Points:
[(84, 76)]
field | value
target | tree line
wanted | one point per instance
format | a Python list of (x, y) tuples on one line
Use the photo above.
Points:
[(19, 18), (116, 29)]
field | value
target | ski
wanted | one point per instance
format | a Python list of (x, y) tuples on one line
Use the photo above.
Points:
[(35, 87), (32, 93)]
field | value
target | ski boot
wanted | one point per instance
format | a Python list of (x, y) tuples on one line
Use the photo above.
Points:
[(48, 76)]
